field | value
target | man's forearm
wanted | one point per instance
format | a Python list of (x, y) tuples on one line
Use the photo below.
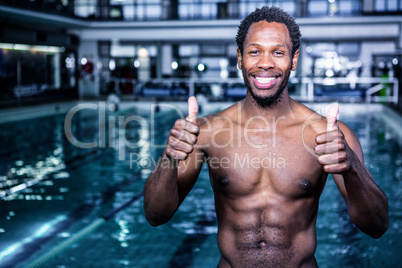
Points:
[(367, 204), (161, 197)]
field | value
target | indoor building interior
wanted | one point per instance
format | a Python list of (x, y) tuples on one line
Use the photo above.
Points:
[(88, 89)]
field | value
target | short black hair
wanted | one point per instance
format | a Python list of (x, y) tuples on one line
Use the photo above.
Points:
[(269, 14)]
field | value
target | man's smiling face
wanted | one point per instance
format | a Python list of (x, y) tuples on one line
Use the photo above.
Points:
[(266, 61)]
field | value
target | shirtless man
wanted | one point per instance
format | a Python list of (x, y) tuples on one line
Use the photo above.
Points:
[(268, 158)]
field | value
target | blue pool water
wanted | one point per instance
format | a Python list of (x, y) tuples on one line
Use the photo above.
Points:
[(76, 186)]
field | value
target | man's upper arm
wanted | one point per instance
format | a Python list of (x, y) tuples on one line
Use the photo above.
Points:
[(189, 169)]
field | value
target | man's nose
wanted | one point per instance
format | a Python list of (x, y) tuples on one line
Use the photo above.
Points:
[(266, 62)]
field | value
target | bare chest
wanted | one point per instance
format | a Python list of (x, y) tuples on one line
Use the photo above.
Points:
[(265, 162)]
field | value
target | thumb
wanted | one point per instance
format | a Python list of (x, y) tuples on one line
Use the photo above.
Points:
[(332, 117), (192, 109)]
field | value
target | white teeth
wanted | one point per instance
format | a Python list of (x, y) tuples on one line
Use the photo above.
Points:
[(264, 80)]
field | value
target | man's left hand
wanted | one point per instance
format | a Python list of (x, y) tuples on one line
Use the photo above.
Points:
[(332, 147)]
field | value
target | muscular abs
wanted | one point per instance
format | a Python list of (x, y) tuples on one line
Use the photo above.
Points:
[(254, 231)]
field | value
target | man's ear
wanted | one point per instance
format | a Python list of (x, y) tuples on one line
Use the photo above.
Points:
[(295, 59), (239, 59)]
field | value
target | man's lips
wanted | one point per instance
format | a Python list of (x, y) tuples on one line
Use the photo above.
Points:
[(264, 82)]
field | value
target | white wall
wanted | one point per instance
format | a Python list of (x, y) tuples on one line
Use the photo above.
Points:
[(368, 48)]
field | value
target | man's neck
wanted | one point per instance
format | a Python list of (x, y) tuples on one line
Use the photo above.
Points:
[(282, 108)]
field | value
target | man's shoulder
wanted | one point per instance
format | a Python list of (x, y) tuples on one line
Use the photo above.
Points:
[(315, 119), (310, 120), (221, 118)]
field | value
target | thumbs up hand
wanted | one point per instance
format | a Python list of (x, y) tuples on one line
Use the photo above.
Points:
[(332, 116), (184, 133), (332, 147), (192, 109)]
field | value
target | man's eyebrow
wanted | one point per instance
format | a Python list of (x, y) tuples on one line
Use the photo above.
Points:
[(257, 44)]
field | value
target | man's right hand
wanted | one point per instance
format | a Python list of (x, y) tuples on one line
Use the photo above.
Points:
[(184, 133)]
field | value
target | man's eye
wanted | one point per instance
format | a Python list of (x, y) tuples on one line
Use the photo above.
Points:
[(253, 52), (279, 53)]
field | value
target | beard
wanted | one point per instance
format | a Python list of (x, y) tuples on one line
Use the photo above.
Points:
[(269, 101)]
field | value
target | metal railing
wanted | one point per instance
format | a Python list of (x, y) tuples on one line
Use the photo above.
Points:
[(134, 10), (368, 89), (369, 86)]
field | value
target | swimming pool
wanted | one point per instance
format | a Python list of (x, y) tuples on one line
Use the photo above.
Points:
[(75, 187)]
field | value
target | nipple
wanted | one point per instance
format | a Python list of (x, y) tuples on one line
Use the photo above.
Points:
[(223, 180), (305, 184), (262, 244)]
